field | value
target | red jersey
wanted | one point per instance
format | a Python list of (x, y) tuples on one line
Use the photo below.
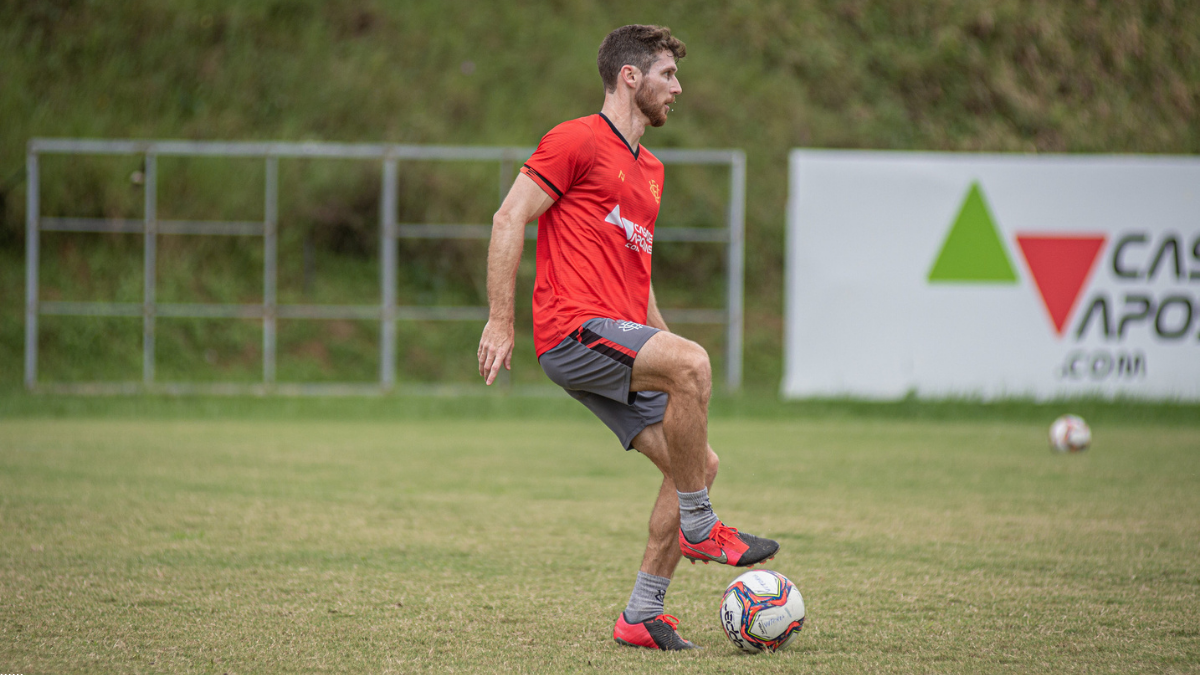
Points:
[(594, 242)]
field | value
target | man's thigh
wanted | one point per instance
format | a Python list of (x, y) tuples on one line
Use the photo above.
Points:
[(662, 359)]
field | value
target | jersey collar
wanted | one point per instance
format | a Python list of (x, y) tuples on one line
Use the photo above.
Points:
[(624, 142)]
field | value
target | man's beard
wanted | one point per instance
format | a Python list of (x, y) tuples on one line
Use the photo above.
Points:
[(644, 98)]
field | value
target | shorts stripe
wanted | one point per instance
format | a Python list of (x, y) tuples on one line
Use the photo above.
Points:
[(588, 338), (613, 354), (602, 345)]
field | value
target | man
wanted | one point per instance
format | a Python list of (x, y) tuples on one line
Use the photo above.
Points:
[(598, 332)]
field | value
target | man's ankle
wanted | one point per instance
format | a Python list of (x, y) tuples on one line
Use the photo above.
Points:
[(696, 517)]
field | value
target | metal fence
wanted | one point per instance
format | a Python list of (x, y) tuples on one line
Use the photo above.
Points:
[(387, 312)]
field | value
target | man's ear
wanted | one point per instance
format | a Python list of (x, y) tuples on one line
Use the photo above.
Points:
[(630, 74)]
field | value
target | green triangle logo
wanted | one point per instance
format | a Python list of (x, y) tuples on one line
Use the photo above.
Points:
[(973, 250)]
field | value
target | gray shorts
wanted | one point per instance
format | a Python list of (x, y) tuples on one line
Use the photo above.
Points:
[(594, 364)]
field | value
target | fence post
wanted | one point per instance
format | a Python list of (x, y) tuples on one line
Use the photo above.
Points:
[(32, 243), (387, 243), (270, 267), (150, 238), (737, 256)]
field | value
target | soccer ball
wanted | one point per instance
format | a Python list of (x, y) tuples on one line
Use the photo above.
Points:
[(1070, 433), (761, 611)]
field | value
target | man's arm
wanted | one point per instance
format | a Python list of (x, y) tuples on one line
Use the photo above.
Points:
[(654, 318), (525, 202)]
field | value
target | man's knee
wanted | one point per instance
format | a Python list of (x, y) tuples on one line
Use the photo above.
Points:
[(675, 365), (694, 376), (714, 464)]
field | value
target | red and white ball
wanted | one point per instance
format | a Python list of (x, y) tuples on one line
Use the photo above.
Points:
[(1070, 433), (761, 611)]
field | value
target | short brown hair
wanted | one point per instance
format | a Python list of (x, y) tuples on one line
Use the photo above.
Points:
[(635, 45)]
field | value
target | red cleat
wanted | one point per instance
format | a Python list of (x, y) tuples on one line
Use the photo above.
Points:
[(656, 633), (727, 546)]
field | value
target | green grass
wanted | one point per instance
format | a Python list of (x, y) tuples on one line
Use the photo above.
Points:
[(450, 544), (480, 402)]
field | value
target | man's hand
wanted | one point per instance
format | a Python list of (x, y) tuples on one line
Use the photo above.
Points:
[(495, 348)]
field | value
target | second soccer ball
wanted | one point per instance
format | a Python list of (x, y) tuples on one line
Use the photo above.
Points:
[(1070, 433)]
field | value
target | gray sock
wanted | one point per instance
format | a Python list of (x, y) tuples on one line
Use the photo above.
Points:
[(646, 601), (696, 517)]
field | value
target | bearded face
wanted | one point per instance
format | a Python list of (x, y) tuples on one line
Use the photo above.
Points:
[(652, 103)]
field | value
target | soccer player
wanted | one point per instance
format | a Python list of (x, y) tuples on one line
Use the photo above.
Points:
[(597, 330)]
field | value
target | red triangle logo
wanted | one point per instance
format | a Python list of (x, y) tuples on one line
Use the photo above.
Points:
[(1060, 265)]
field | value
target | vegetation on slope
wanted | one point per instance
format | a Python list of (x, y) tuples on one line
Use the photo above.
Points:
[(1013, 76)]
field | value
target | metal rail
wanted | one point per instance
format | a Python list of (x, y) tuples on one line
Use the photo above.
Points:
[(387, 312)]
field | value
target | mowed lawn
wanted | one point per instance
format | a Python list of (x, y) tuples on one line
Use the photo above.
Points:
[(494, 546)]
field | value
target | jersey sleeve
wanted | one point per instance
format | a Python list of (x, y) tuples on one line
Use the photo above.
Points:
[(562, 159)]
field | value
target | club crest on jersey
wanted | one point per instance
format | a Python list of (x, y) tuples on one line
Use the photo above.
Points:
[(656, 191), (636, 236)]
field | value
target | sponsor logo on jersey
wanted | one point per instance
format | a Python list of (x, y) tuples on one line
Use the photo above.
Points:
[(636, 236)]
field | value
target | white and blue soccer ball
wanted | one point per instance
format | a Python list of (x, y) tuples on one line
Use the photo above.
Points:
[(761, 611), (1070, 433)]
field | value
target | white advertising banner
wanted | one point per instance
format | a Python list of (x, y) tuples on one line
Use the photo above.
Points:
[(992, 276)]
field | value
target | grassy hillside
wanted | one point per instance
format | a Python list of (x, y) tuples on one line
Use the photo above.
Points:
[(761, 76)]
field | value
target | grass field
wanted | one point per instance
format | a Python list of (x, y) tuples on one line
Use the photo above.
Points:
[(146, 545)]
